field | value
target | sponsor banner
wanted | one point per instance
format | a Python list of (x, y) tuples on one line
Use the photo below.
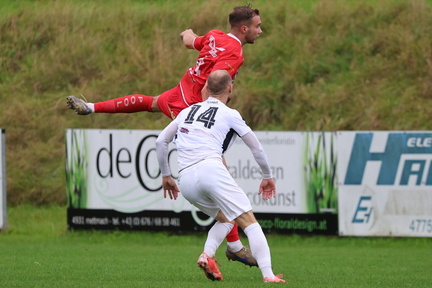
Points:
[(107, 219), (304, 168), (316, 224), (385, 184), (196, 221), (117, 171), (2, 179), (280, 148)]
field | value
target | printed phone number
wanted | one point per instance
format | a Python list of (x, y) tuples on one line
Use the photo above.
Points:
[(127, 221), (421, 225)]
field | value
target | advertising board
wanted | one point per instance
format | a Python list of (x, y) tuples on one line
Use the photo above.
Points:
[(385, 184), (114, 182)]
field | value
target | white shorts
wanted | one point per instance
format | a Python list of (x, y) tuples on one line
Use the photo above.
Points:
[(209, 186)]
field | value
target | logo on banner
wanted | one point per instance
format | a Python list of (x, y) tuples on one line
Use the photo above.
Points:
[(364, 210), (406, 151), (123, 163)]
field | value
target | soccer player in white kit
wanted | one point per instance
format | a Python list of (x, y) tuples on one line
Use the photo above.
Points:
[(202, 133)]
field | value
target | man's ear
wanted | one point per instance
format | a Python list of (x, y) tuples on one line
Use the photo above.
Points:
[(205, 92), (230, 87)]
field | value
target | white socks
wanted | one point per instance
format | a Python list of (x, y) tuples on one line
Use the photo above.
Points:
[(216, 236), (260, 249), (257, 242), (91, 106), (235, 246)]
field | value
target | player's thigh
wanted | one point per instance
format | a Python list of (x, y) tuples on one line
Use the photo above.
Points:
[(245, 219), (171, 102), (192, 192), (224, 191)]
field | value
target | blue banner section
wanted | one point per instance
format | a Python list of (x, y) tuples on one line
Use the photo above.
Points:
[(397, 145)]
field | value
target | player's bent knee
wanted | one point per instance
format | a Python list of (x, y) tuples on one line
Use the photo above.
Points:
[(246, 219)]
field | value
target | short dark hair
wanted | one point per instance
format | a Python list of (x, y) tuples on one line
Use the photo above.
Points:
[(242, 15), (218, 81)]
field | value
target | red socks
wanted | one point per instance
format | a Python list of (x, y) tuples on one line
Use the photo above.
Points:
[(126, 104), (233, 235)]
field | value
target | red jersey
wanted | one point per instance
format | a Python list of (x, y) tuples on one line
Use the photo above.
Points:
[(218, 51)]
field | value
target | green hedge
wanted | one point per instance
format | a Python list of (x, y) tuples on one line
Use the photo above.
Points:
[(319, 65)]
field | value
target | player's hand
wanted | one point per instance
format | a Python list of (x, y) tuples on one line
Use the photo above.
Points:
[(267, 189), (188, 37), (170, 186), (188, 32)]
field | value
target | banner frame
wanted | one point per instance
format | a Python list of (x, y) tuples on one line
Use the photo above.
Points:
[(3, 194)]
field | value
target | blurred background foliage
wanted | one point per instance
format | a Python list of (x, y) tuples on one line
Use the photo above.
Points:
[(318, 66)]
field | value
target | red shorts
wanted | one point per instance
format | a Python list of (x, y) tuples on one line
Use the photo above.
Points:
[(186, 93)]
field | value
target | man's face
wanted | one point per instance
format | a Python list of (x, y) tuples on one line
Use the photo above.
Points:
[(254, 30)]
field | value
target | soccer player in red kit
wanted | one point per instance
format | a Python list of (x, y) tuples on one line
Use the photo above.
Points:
[(217, 51)]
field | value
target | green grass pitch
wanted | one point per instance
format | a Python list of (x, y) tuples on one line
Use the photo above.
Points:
[(37, 251)]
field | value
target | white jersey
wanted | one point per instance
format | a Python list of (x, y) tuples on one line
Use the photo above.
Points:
[(206, 130)]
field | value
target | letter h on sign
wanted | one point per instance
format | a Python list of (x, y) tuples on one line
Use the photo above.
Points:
[(397, 145)]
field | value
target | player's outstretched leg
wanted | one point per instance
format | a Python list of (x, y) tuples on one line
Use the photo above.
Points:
[(126, 104)]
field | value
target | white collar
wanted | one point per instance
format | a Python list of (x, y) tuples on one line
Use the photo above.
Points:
[(233, 36)]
